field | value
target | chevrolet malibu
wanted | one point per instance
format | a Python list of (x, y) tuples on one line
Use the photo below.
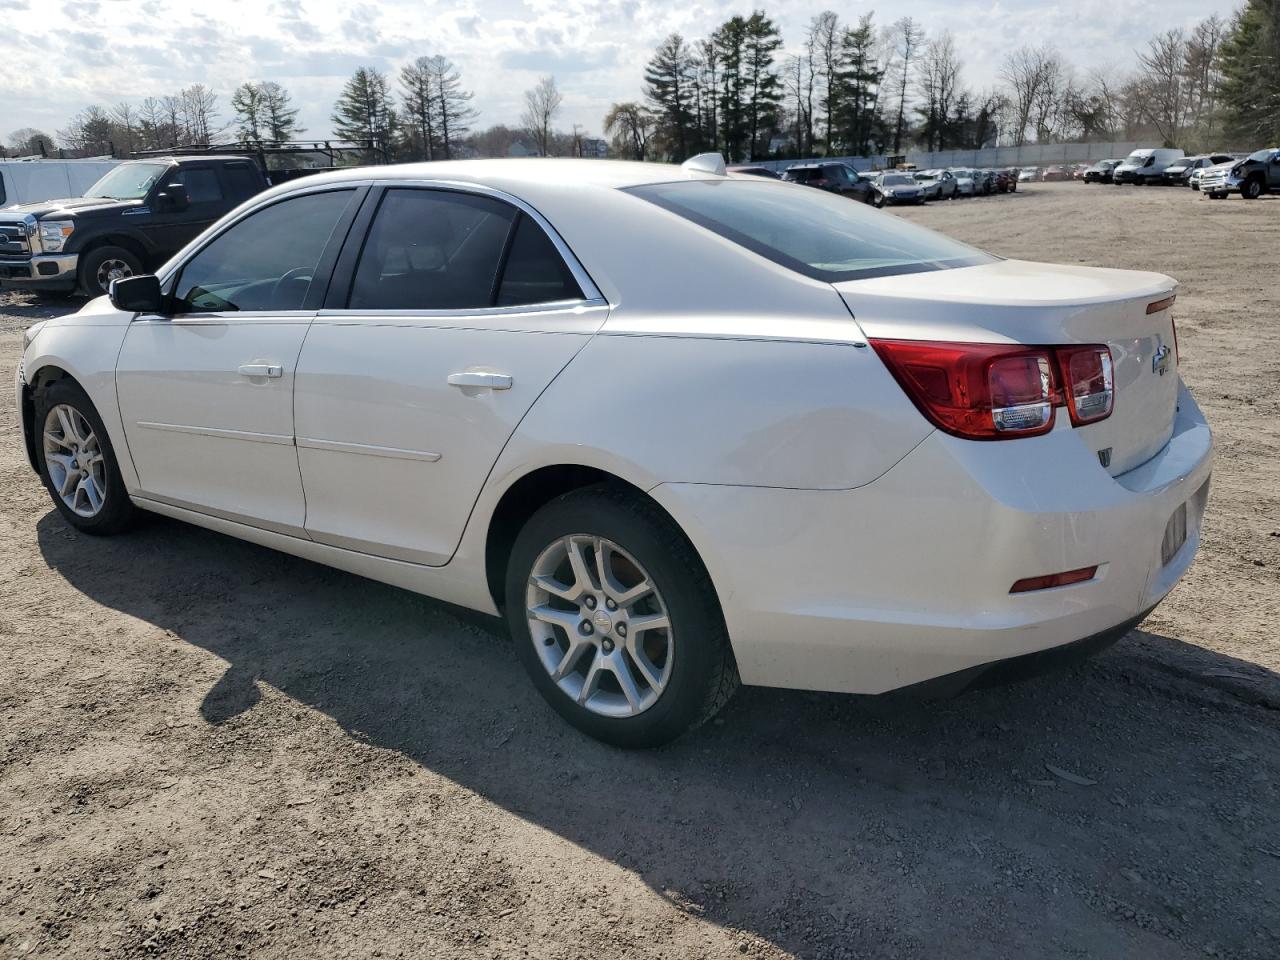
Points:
[(683, 429)]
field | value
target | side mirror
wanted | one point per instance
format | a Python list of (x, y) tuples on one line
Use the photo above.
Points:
[(140, 294), (174, 196)]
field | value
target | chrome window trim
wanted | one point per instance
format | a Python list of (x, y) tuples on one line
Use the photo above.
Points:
[(591, 293)]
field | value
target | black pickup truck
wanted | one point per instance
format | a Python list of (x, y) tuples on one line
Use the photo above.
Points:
[(130, 221)]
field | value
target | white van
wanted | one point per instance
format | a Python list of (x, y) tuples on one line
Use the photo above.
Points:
[(1145, 165), (33, 180)]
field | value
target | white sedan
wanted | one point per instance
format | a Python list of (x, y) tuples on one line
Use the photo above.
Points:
[(682, 428)]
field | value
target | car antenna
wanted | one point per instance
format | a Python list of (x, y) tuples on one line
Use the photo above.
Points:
[(705, 163)]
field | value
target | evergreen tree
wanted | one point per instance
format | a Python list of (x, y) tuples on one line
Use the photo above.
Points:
[(669, 89), (763, 86), (418, 102), (1250, 65), (454, 112), (364, 111), (246, 101), (858, 83), (279, 116)]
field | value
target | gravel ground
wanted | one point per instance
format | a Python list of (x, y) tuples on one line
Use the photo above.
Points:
[(212, 750)]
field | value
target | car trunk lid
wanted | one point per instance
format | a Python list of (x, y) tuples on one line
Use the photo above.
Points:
[(1011, 301)]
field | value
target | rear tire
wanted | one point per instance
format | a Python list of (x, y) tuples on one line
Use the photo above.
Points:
[(689, 657), (77, 462)]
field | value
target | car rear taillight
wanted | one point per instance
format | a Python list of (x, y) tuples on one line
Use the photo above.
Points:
[(998, 391), (1087, 382)]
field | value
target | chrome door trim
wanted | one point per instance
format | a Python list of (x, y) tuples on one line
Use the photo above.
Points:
[(217, 432), (367, 449)]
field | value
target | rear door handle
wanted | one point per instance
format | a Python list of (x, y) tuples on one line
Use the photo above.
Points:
[(476, 378), (260, 370)]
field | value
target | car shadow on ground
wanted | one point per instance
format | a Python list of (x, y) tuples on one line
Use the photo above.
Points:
[(1126, 803), (27, 306)]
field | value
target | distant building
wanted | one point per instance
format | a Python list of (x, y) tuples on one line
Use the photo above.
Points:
[(595, 148)]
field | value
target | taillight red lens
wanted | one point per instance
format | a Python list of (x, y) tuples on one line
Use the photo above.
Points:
[(998, 391), (1028, 584), (1088, 382), (981, 391)]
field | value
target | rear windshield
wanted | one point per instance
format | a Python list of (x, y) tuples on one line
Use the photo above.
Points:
[(819, 234)]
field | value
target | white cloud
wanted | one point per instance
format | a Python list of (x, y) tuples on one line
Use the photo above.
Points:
[(79, 52)]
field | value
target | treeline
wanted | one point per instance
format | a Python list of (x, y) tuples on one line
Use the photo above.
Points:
[(856, 88), (849, 88), (424, 114)]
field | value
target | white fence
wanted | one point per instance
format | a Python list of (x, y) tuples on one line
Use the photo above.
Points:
[(1032, 155)]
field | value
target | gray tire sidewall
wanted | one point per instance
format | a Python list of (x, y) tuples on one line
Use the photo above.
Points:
[(90, 261), (696, 622), (1251, 190), (117, 510)]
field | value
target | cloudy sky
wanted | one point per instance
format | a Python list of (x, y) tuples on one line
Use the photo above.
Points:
[(61, 55)]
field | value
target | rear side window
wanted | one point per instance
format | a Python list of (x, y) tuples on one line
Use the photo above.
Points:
[(266, 261), (201, 183), (242, 181), (443, 250), (535, 272), (816, 233)]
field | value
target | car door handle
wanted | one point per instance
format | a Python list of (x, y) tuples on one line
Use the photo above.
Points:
[(476, 378), (260, 370)]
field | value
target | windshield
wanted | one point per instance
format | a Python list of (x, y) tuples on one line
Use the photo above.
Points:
[(1261, 155), (1138, 156), (1180, 164), (818, 234), (896, 180), (129, 181)]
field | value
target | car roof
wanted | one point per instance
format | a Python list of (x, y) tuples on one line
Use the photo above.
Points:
[(515, 173)]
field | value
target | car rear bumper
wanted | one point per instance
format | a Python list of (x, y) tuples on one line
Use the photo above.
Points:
[(907, 579), (43, 271)]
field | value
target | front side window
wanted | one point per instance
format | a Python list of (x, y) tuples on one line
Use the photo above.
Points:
[(201, 184), (818, 234), (266, 261), (443, 250)]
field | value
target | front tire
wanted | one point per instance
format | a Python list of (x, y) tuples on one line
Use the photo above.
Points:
[(77, 462), (877, 201), (1251, 189), (101, 265), (615, 619)]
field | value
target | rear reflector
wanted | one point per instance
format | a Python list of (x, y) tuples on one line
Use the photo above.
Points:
[(1157, 305), (1054, 580)]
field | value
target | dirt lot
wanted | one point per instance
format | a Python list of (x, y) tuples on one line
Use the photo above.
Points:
[(212, 750)]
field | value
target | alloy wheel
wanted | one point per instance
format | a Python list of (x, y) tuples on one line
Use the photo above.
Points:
[(74, 459), (112, 269), (599, 625)]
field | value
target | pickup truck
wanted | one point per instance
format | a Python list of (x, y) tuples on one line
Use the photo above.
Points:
[(129, 222), (1251, 177)]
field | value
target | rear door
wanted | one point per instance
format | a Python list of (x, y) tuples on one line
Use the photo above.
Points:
[(449, 314)]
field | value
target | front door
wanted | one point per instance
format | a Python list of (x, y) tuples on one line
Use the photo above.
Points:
[(206, 391), (459, 311), (170, 229)]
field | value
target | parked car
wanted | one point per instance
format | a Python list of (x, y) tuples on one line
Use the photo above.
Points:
[(1179, 172), (1028, 175), (129, 222), (1004, 181), (834, 177), (33, 180), (1055, 174), (1145, 165), (965, 182), (1100, 172), (754, 171), (892, 187), (937, 184), (1251, 177), (701, 468)]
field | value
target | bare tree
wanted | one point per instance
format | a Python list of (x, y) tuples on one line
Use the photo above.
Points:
[(908, 38), (200, 113), (1161, 78), (1201, 73), (938, 76), (823, 45), (541, 105), (1033, 75)]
